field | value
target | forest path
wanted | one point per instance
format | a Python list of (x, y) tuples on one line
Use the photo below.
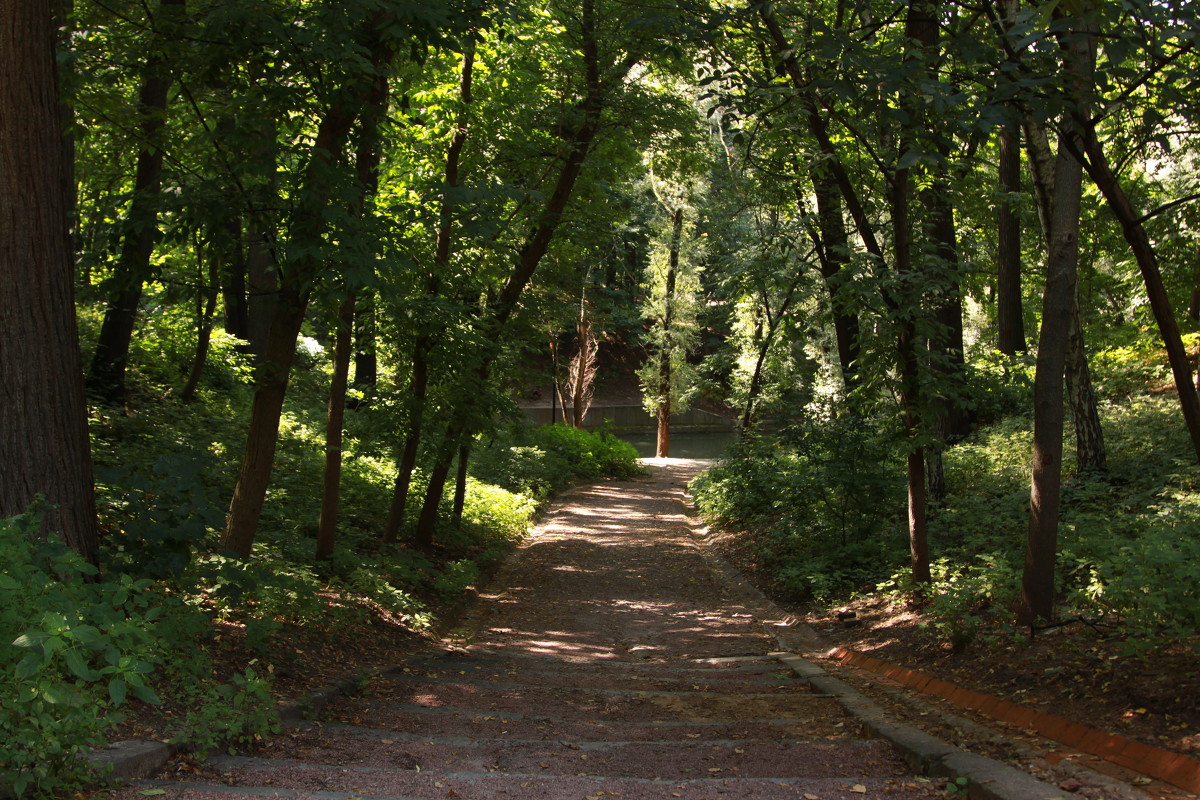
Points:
[(611, 662)]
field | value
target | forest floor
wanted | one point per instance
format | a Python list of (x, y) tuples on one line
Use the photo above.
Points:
[(1074, 671)]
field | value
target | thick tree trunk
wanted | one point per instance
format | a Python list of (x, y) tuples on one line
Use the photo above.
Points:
[(334, 418), (1010, 319), (106, 379), (44, 448), (233, 286), (263, 275), (833, 255)]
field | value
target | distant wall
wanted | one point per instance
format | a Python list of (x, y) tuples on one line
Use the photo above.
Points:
[(634, 417)]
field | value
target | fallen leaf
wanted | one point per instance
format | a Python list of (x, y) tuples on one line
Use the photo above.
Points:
[(808, 796), (858, 787)]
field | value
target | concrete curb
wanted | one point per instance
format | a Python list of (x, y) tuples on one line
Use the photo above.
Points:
[(986, 778)]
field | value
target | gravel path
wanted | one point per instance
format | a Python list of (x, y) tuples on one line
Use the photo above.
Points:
[(609, 662)]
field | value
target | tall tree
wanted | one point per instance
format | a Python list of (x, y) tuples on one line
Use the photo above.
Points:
[(1045, 501), (106, 378), (44, 450)]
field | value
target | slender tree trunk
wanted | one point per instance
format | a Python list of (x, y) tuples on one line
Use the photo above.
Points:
[(334, 420), (44, 449), (460, 485), (1010, 319), (577, 143), (106, 379), (204, 325), (1041, 552), (366, 351), (418, 390), (834, 255), (307, 238), (663, 446), (1090, 454), (1139, 243), (423, 346)]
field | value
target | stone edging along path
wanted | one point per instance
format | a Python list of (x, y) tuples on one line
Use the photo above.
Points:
[(1174, 768), (986, 778)]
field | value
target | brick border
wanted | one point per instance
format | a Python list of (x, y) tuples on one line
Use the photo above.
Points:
[(1174, 768)]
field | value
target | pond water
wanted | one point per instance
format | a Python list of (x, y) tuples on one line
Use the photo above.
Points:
[(684, 444)]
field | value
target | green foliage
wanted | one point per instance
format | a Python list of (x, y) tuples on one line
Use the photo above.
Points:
[(234, 714), (69, 651), (546, 459), (823, 500)]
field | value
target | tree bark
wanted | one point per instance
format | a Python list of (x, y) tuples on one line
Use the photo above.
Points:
[(204, 325), (460, 485), (307, 229), (44, 449), (106, 378), (663, 445), (833, 255), (1096, 163), (576, 143), (1041, 549), (1090, 454), (1010, 319), (334, 418), (423, 346)]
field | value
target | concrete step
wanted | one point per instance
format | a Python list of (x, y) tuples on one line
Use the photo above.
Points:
[(364, 747)]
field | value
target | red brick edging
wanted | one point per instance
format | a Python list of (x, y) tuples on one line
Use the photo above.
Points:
[(1174, 768)]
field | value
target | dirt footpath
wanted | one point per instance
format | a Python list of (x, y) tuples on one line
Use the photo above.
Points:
[(608, 661)]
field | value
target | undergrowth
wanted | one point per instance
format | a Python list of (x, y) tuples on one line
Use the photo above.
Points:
[(825, 506), (80, 647)]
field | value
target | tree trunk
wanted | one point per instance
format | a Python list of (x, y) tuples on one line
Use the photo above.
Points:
[(204, 325), (1089, 436), (1090, 455), (1041, 550), (44, 447), (1109, 185), (577, 143), (233, 286), (334, 419), (418, 390), (307, 238), (366, 352), (106, 378), (460, 485), (263, 276), (663, 446), (1010, 319), (833, 255)]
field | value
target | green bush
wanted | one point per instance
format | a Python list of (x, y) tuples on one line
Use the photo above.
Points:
[(822, 501), (543, 460), (70, 651)]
